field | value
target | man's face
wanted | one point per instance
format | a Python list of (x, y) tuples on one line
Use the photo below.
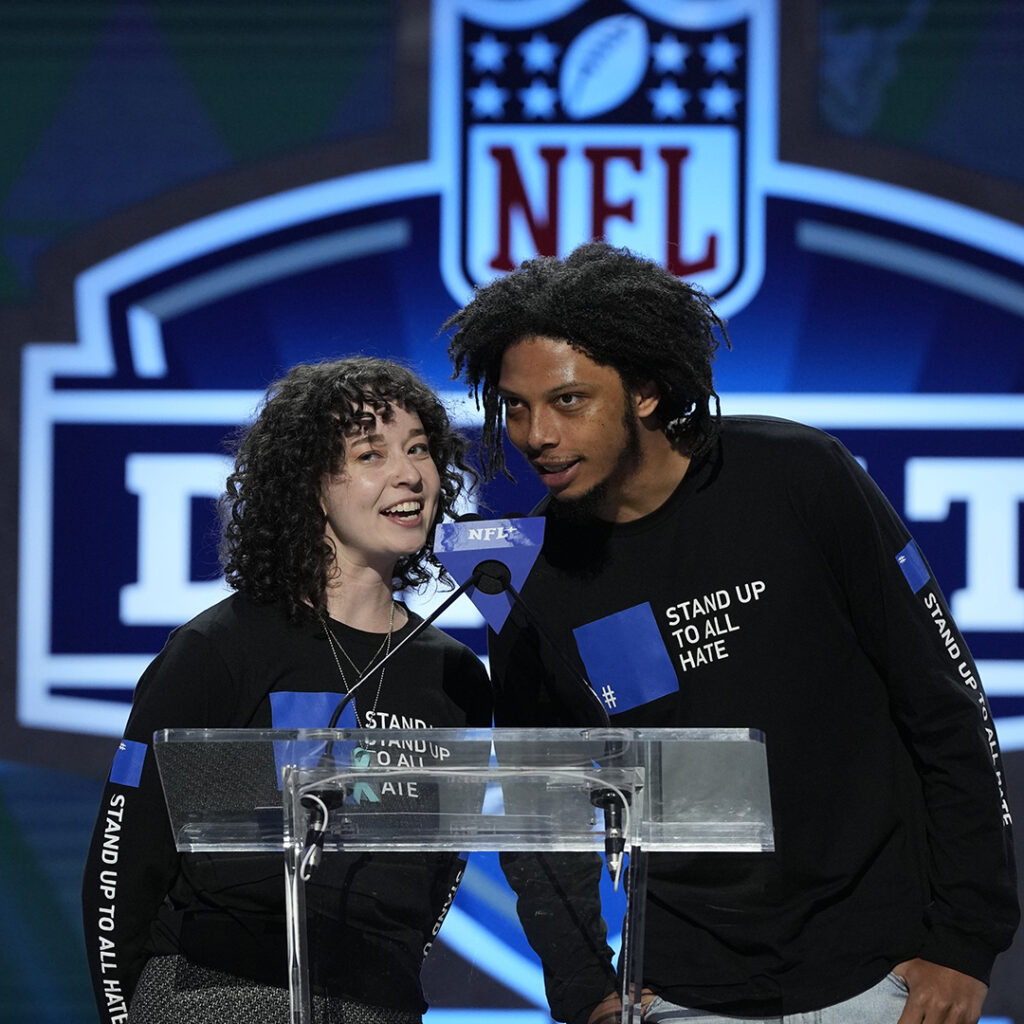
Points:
[(571, 419)]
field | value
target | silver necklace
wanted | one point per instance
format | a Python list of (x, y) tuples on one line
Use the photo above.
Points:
[(335, 645)]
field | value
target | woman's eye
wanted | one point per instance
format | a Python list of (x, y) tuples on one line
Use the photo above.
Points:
[(420, 449)]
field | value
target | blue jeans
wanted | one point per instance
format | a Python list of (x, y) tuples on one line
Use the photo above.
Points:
[(881, 1004)]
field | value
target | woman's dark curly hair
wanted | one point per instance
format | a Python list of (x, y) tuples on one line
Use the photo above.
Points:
[(273, 545), (620, 310)]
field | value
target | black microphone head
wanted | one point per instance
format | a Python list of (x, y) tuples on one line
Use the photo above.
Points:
[(494, 576), (469, 517)]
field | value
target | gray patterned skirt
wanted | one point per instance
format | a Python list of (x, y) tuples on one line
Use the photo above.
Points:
[(173, 990)]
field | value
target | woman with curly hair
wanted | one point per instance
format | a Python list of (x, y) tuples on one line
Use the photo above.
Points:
[(331, 507)]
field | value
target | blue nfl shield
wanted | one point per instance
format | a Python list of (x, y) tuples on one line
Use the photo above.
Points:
[(565, 122)]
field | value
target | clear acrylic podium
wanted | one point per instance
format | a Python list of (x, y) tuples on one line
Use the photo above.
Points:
[(301, 792)]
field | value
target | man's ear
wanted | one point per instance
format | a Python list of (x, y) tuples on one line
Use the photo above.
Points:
[(645, 399)]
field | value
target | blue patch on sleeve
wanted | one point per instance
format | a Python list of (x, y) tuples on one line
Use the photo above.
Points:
[(914, 569), (625, 658), (128, 761)]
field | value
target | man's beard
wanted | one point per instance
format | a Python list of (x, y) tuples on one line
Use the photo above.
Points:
[(588, 505)]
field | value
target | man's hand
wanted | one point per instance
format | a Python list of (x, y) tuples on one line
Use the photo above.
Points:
[(939, 995), (609, 1010)]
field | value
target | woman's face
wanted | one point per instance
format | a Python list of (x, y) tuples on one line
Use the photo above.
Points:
[(383, 501)]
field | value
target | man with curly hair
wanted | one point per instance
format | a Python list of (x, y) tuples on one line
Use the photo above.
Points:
[(336, 490), (708, 571)]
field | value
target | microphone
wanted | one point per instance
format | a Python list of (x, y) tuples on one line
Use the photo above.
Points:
[(614, 842), (612, 803), (493, 576)]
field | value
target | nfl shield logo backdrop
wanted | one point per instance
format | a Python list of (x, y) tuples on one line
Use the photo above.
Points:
[(571, 121)]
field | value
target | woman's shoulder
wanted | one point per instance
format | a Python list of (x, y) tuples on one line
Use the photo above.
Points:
[(237, 616)]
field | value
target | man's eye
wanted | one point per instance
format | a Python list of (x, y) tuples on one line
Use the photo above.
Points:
[(567, 399)]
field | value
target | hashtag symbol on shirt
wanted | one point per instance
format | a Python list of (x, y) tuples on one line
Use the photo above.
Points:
[(608, 696)]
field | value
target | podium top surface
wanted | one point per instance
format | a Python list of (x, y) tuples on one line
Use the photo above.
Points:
[(243, 790)]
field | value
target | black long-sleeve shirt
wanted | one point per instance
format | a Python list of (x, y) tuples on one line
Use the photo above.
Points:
[(370, 916), (776, 589)]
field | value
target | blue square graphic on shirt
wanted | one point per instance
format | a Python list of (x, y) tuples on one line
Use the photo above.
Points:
[(126, 769), (291, 709), (911, 561), (625, 658)]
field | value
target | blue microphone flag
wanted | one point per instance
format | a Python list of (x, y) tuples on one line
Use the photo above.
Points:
[(515, 543)]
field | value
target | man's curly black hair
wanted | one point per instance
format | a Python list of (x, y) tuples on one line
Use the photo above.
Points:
[(622, 311), (273, 545)]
